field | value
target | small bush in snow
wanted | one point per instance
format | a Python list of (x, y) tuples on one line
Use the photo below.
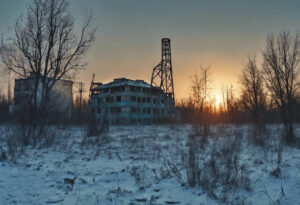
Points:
[(222, 168)]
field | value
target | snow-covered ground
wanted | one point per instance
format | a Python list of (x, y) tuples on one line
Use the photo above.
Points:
[(132, 166)]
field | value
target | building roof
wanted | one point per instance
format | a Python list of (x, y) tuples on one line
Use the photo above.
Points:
[(33, 75), (122, 82)]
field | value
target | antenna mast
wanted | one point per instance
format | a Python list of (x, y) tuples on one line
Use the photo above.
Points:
[(162, 75)]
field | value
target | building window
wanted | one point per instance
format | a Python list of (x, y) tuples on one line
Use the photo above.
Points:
[(148, 100), (133, 120), (133, 110), (155, 111), (119, 98), (109, 99), (133, 99), (99, 100), (115, 109), (144, 100), (99, 110), (162, 101), (139, 99)]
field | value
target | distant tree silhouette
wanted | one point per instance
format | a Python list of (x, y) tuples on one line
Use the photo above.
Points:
[(281, 66), (253, 96), (200, 87)]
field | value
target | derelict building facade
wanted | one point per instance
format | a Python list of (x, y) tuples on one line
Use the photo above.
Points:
[(125, 101)]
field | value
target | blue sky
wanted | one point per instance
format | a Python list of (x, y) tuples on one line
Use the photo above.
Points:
[(203, 32)]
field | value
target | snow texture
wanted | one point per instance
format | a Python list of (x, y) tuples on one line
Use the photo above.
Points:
[(131, 169)]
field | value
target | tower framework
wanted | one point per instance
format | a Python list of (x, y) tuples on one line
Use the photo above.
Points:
[(162, 75)]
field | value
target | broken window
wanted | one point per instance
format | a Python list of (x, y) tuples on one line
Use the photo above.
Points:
[(109, 99), (119, 98), (115, 109), (133, 99)]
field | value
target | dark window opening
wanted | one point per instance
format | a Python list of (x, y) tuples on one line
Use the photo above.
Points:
[(133, 99), (115, 109), (109, 99)]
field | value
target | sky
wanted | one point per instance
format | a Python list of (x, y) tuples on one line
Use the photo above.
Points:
[(217, 33)]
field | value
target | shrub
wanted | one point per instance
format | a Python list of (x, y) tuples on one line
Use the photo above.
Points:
[(222, 167)]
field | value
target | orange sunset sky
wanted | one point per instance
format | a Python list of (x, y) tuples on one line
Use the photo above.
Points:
[(202, 32)]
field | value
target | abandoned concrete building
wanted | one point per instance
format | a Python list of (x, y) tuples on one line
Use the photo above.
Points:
[(125, 101), (61, 96)]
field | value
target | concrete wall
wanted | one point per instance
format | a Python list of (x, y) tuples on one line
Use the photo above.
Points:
[(61, 97)]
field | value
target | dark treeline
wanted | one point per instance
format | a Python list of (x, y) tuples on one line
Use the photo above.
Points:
[(216, 114), (269, 92)]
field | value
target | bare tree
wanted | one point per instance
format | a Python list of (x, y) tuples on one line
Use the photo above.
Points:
[(253, 97), (281, 64), (45, 44), (200, 92), (200, 87)]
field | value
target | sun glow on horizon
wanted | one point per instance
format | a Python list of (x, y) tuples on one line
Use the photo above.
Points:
[(216, 98)]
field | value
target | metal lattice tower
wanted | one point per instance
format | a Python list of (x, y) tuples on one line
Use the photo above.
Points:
[(162, 75)]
